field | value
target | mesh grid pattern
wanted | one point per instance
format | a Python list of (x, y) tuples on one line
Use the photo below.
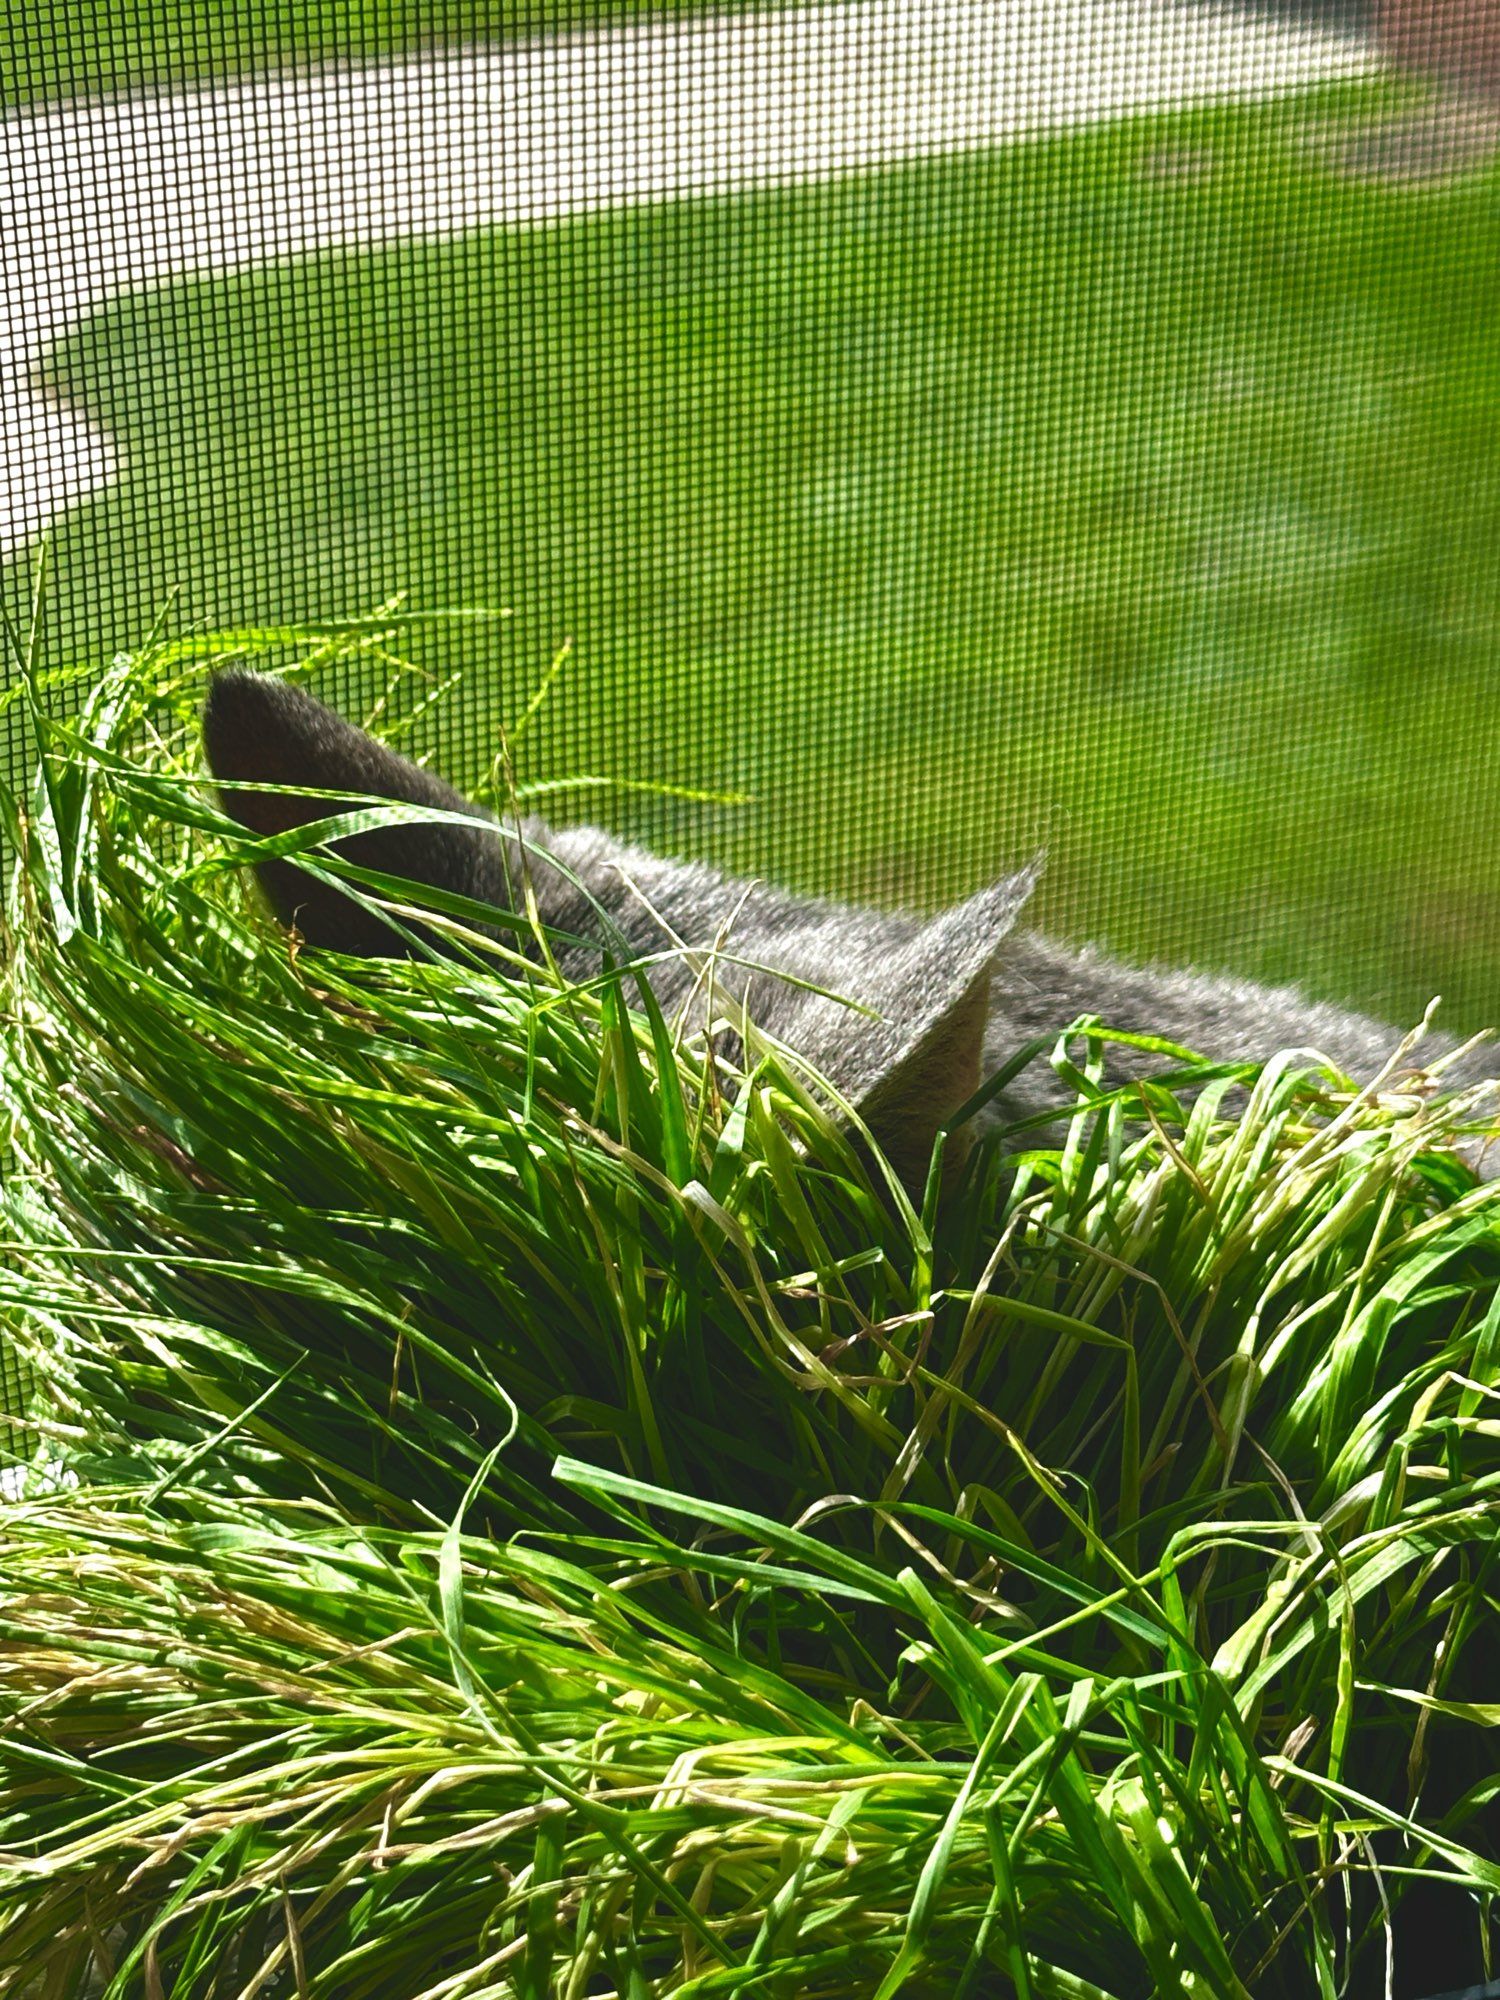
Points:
[(959, 427)]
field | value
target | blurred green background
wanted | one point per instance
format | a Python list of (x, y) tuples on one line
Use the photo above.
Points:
[(1132, 492), (63, 49)]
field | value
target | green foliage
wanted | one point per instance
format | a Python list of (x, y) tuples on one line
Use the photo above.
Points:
[(527, 1508)]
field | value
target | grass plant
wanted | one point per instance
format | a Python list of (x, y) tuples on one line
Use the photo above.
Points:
[(522, 1506)]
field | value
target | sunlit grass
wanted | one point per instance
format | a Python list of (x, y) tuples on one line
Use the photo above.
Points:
[(528, 1508), (68, 51), (1131, 491)]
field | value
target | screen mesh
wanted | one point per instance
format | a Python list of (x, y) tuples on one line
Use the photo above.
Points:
[(958, 428)]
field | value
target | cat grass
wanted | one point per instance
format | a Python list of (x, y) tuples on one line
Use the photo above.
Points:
[(518, 1504)]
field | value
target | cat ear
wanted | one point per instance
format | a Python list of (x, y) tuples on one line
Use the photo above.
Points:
[(907, 1072), (258, 730)]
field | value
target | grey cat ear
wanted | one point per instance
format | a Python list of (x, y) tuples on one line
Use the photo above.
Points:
[(258, 730), (909, 1071), (929, 1081)]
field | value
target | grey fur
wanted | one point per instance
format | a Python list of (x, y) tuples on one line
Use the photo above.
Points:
[(952, 997)]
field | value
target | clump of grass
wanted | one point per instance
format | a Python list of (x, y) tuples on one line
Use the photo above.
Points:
[(525, 1506)]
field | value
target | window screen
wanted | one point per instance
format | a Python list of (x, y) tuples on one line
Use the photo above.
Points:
[(946, 430)]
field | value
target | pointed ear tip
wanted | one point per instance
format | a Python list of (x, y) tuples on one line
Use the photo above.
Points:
[(238, 694), (1016, 887), (979, 924), (236, 700), (227, 684), (251, 720)]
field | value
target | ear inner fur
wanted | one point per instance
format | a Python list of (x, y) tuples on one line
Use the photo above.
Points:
[(906, 1108)]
